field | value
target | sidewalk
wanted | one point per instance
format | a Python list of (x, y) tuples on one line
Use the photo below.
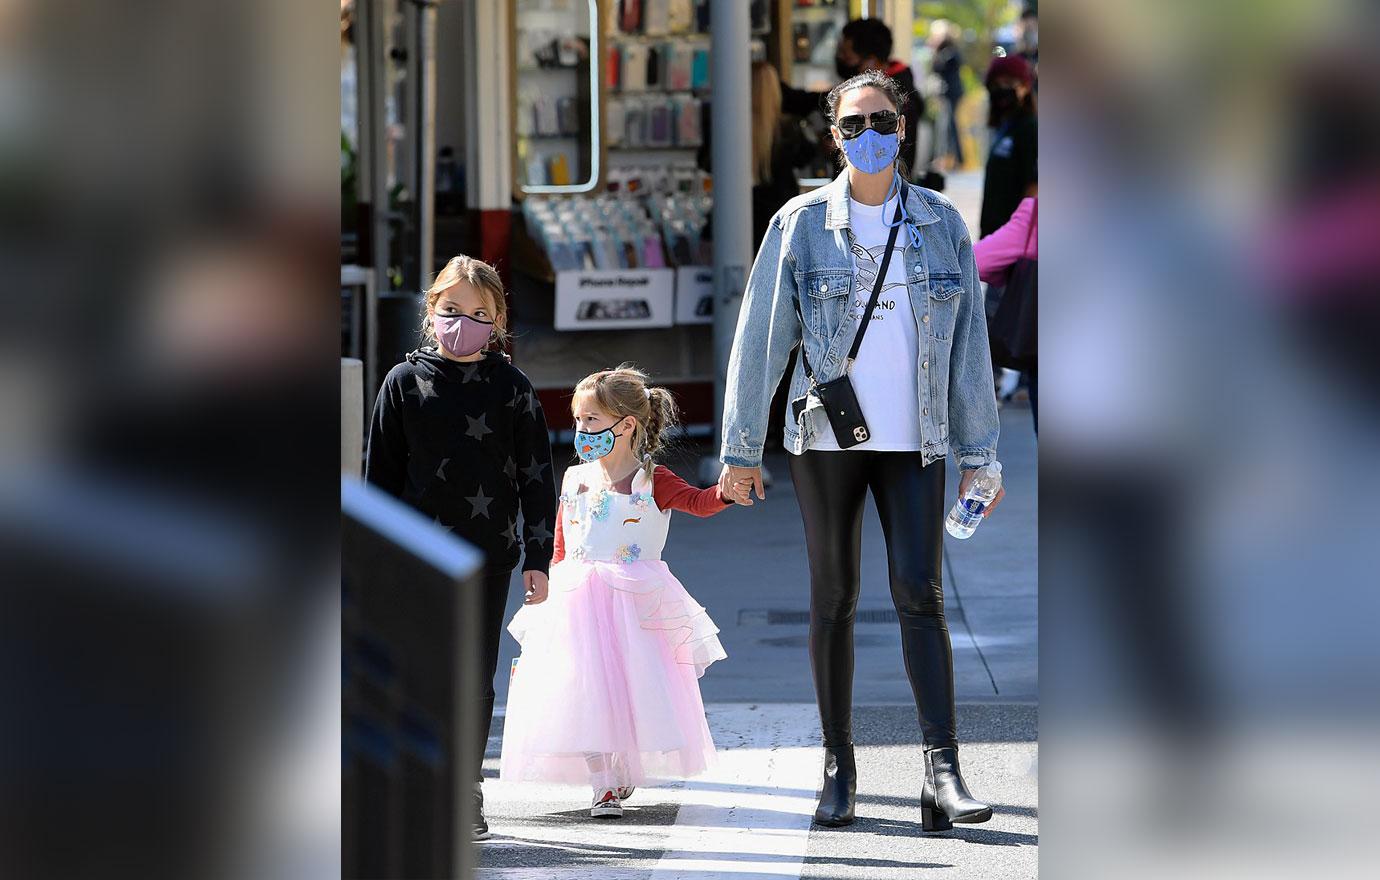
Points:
[(752, 817)]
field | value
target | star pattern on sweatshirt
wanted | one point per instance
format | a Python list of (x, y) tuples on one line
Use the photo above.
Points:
[(480, 502), (540, 533), (425, 388), (470, 373), (441, 469), (534, 471), (532, 403), (436, 520), (478, 427), (511, 533), (510, 469), (513, 404)]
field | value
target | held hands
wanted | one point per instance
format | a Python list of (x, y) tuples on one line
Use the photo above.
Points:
[(738, 484), (967, 477), (534, 584)]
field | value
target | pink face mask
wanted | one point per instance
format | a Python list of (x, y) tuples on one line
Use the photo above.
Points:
[(462, 335)]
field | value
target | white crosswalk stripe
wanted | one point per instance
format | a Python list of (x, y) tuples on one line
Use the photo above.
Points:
[(749, 816)]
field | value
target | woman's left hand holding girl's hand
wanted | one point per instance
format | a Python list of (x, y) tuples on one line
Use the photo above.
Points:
[(534, 583), (967, 478)]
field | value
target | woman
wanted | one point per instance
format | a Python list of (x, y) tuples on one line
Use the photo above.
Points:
[(1012, 172), (923, 380), (778, 148)]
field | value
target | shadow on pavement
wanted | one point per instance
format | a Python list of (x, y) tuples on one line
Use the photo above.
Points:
[(969, 834)]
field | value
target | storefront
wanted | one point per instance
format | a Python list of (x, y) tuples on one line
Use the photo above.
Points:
[(561, 140)]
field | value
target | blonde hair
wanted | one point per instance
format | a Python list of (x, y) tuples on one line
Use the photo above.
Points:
[(766, 118), (484, 278), (624, 392)]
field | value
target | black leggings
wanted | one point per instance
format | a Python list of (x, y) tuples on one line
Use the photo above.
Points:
[(493, 601), (832, 488)]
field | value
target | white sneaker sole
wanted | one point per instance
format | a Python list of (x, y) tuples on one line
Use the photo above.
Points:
[(607, 811)]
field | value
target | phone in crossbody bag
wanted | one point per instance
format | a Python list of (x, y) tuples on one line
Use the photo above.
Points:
[(837, 395)]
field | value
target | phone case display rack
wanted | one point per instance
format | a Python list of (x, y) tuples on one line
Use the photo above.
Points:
[(632, 257), (656, 75)]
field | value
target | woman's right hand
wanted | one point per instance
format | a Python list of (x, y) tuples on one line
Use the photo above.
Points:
[(737, 483)]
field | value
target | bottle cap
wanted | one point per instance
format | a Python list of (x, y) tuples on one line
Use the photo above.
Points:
[(994, 467)]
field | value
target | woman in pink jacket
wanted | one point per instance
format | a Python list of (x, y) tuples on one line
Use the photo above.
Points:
[(997, 253)]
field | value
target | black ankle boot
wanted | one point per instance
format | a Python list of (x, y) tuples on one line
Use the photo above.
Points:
[(480, 829), (945, 798), (839, 793)]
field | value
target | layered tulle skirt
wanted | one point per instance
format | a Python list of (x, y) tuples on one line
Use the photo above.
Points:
[(610, 666)]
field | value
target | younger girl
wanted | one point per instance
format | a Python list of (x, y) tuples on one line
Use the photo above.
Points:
[(459, 434), (607, 689)]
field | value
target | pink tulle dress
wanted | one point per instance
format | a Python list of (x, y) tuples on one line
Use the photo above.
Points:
[(611, 661)]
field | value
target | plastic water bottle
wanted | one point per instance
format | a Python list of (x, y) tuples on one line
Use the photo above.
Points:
[(967, 513)]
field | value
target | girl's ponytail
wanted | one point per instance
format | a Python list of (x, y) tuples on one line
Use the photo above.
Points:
[(663, 416)]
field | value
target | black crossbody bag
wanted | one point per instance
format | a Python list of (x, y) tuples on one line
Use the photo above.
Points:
[(837, 395)]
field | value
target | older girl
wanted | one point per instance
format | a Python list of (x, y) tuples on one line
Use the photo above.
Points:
[(459, 434)]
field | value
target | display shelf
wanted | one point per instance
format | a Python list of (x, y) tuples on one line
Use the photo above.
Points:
[(556, 96)]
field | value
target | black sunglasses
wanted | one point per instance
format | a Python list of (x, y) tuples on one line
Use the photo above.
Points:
[(882, 122)]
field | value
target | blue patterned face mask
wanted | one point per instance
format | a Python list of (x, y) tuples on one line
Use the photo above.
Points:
[(871, 152), (592, 446)]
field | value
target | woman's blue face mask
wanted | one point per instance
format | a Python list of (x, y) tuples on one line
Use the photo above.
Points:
[(871, 152)]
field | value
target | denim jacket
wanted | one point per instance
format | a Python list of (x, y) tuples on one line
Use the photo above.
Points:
[(806, 258)]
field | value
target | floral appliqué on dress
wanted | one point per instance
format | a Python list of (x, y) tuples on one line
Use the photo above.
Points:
[(602, 499), (641, 501), (578, 554), (629, 553)]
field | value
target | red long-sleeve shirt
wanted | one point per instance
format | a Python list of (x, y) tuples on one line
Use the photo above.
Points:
[(669, 492)]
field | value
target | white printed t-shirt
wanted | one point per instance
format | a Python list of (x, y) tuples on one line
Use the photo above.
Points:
[(885, 374)]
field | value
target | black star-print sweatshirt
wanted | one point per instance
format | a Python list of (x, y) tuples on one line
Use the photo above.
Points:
[(466, 444)]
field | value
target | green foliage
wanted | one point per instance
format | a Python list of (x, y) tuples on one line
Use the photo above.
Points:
[(980, 17)]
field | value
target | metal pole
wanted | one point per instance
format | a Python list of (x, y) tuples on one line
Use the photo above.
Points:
[(372, 72), (424, 118), (730, 116)]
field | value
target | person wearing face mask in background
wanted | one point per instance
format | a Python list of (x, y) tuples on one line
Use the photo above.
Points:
[(1012, 172), (458, 433), (864, 44)]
